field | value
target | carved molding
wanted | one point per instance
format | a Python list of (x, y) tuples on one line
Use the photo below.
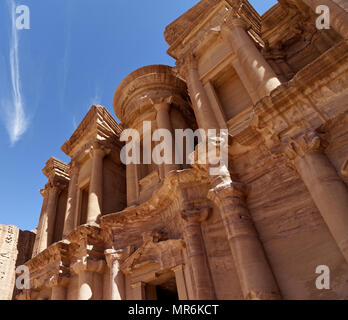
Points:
[(165, 254), (302, 144), (87, 263)]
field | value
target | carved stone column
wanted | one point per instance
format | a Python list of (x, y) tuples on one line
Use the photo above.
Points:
[(49, 217), (95, 199), (59, 290), (201, 104), (72, 200), (181, 282), (164, 122), (261, 78), (90, 281), (196, 252), (138, 290), (328, 191), (254, 273), (38, 240), (132, 184), (338, 16), (117, 281)]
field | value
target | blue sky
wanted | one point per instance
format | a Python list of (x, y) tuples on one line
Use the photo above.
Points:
[(75, 54)]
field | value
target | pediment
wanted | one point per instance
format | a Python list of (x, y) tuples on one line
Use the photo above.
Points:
[(165, 254)]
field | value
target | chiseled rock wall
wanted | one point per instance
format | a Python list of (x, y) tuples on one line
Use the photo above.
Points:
[(15, 249)]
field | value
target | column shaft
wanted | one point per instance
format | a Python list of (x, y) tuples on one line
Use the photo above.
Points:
[(69, 223), (201, 104), (180, 282), (90, 286), (261, 78), (329, 193), (164, 122), (38, 239), (132, 184), (49, 218), (117, 281), (58, 293), (196, 253), (254, 273), (95, 199), (138, 290)]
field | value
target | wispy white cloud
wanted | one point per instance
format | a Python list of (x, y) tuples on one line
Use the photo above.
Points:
[(16, 120), (74, 123), (96, 99)]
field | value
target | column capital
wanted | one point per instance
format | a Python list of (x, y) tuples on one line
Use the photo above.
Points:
[(112, 255), (44, 193), (196, 215), (87, 264), (55, 187), (74, 169), (302, 144), (162, 103), (99, 148), (58, 280), (179, 267), (235, 189), (232, 22), (186, 63)]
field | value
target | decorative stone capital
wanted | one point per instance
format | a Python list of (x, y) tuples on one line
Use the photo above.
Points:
[(57, 280), (87, 264), (302, 144), (44, 193), (74, 169), (55, 187), (100, 149), (195, 216), (187, 63), (234, 190), (162, 103), (233, 22), (119, 255)]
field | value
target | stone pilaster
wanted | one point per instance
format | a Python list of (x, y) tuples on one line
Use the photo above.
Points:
[(90, 282), (58, 285), (181, 282), (40, 230), (49, 217), (95, 199), (252, 66), (114, 259), (328, 191), (138, 290), (254, 273), (69, 222), (132, 184), (196, 252)]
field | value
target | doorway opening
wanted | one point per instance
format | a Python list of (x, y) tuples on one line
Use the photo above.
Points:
[(163, 289)]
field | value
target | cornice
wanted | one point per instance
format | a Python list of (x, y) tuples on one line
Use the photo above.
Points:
[(56, 168), (98, 124), (161, 199), (183, 32)]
